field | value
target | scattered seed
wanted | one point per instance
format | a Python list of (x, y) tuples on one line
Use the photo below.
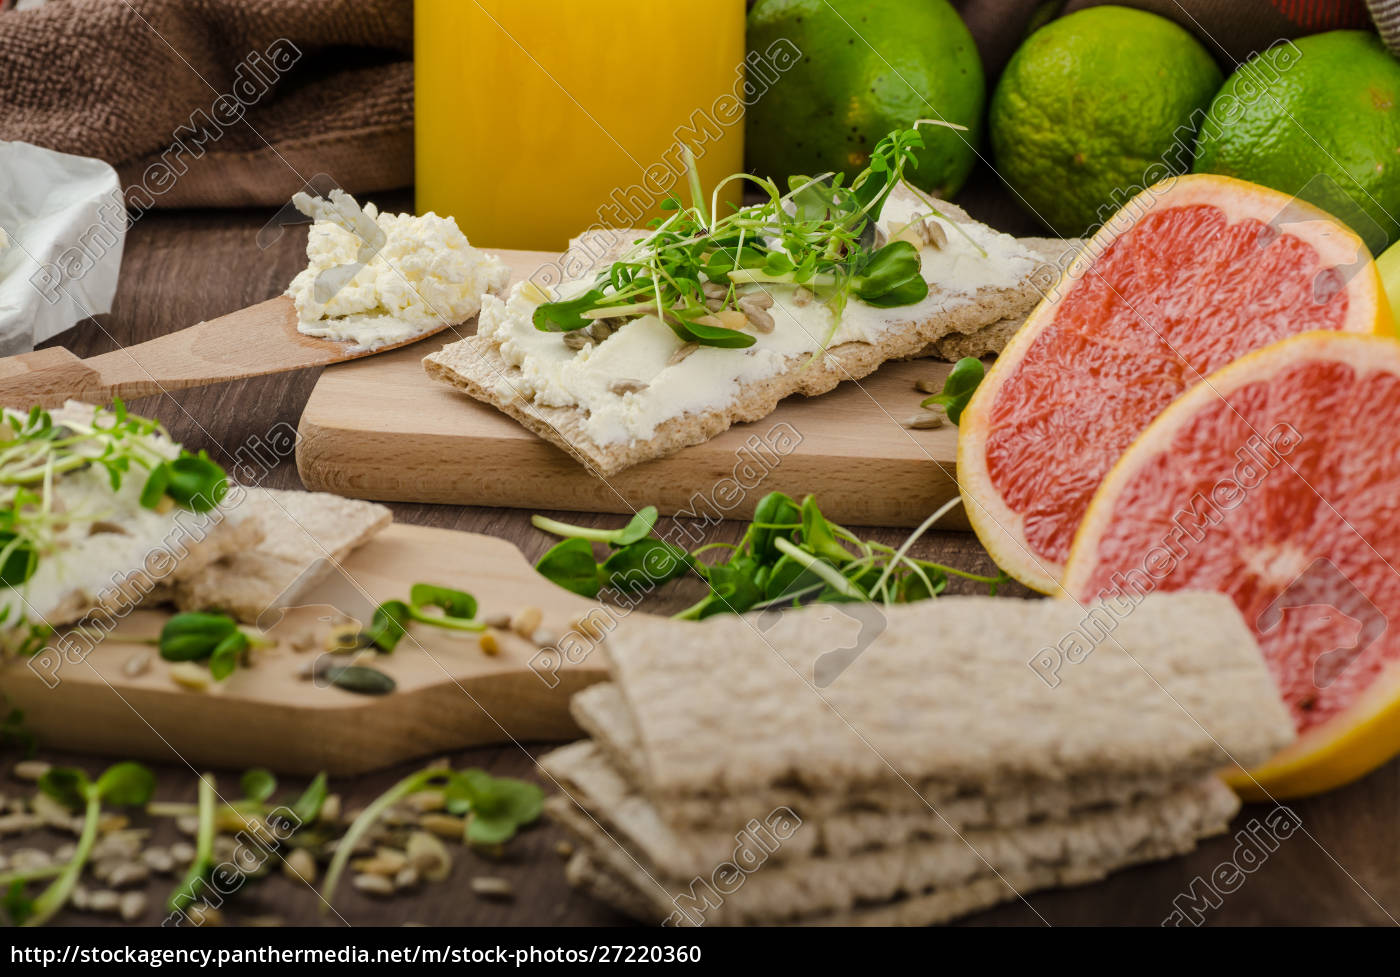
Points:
[(330, 810), (303, 641), (761, 320), (429, 856), (714, 290), (263, 922), (585, 625), (13, 824), (375, 885), (109, 823), (681, 354), (104, 901), (427, 800), (65, 852), (129, 875), (802, 296), (927, 386), (80, 899), (500, 622), (755, 300), (934, 234), (576, 339), (406, 878), (563, 849), (299, 866), (159, 860), (345, 638), (189, 675), (182, 852), (30, 770), (543, 637), (187, 824), (526, 621), (489, 643), (29, 859), (445, 826), (927, 420), (137, 665), (132, 906), (360, 679), (628, 386), (51, 812), (491, 887)]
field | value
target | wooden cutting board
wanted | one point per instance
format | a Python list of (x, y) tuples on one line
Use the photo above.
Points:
[(380, 429), (450, 694)]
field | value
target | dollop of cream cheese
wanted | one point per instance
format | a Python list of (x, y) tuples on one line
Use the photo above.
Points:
[(377, 280), (598, 377)]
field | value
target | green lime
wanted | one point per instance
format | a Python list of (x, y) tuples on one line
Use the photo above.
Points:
[(1318, 118), (862, 69), (1095, 107)]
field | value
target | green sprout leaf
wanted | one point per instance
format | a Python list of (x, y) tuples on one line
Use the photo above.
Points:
[(645, 564), (196, 483), (258, 784), (67, 785), (194, 635), (389, 624), (571, 565), (307, 807), (454, 603), (962, 383), (126, 785), (566, 316), (224, 659), (893, 277)]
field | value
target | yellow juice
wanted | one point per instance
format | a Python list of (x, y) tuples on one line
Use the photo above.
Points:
[(538, 119)]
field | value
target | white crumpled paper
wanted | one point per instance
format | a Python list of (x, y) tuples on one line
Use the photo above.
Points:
[(65, 221)]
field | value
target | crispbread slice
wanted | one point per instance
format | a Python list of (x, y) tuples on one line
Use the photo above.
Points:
[(946, 693), (921, 882), (298, 530), (476, 367), (987, 341), (847, 820)]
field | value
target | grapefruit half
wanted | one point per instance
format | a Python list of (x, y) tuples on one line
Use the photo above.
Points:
[(1276, 481), (1191, 274)]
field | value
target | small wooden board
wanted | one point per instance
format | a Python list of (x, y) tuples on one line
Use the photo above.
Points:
[(450, 694), (380, 429)]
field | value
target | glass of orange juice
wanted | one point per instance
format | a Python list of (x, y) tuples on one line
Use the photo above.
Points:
[(539, 119)]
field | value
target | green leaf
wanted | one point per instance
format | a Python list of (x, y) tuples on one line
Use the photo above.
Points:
[(389, 624), (571, 565), (818, 537), (258, 784), (892, 277), (690, 331), (638, 527), (223, 660), (194, 635), (126, 785), (18, 559), (307, 807), (774, 509), (454, 603), (67, 785), (567, 316), (486, 830), (645, 564), (962, 383), (156, 483), (196, 482), (733, 587)]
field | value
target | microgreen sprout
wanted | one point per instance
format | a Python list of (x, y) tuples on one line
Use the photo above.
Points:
[(790, 554), (819, 233), (495, 808), (441, 607), (218, 638), (203, 862), (121, 785), (958, 389)]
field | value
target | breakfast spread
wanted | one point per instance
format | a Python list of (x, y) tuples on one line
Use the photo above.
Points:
[(374, 280), (909, 791)]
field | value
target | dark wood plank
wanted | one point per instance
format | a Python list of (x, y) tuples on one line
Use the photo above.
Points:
[(180, 268)]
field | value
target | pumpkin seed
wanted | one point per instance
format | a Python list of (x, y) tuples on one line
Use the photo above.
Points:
[(360, 679)]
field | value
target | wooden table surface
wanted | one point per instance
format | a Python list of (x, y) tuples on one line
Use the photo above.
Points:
[(1344, 868)]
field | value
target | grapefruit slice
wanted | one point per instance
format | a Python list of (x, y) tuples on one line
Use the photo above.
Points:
[(1275, 481), (1191, 274)]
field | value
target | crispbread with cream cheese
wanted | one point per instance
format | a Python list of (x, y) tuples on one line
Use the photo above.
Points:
[(477, 366), (298, 530), (946, 694), (918, 883)]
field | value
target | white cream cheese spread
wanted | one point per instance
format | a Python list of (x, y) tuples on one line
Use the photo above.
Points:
[(633, 380), (377, 280)]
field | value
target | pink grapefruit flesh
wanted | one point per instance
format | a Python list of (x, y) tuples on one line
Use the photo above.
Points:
[(1189, 276), (1276, 482)]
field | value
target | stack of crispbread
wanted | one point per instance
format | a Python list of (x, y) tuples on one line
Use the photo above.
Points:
[(936, 775)]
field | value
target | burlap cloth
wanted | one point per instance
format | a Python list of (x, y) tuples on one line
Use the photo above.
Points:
[(136, 82)]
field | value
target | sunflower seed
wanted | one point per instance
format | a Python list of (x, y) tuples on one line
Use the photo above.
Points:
[(190, 676), (30, 770), (500, 622), (406, 878), (526, 621), (299, 866), (132, 906), (762, 321), (928, 386), (374, 885), (159, 860), (934, 234), (927, 420), (426, 800), (182, 852), (137, 665), (802, 296), (628, 386), (128, 875), (445, 826), (758, 299), (491, 887), (13, 824), (680, 355), (330, 810), (715, 290), (429, 856), (104, 901), (576, 339)]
